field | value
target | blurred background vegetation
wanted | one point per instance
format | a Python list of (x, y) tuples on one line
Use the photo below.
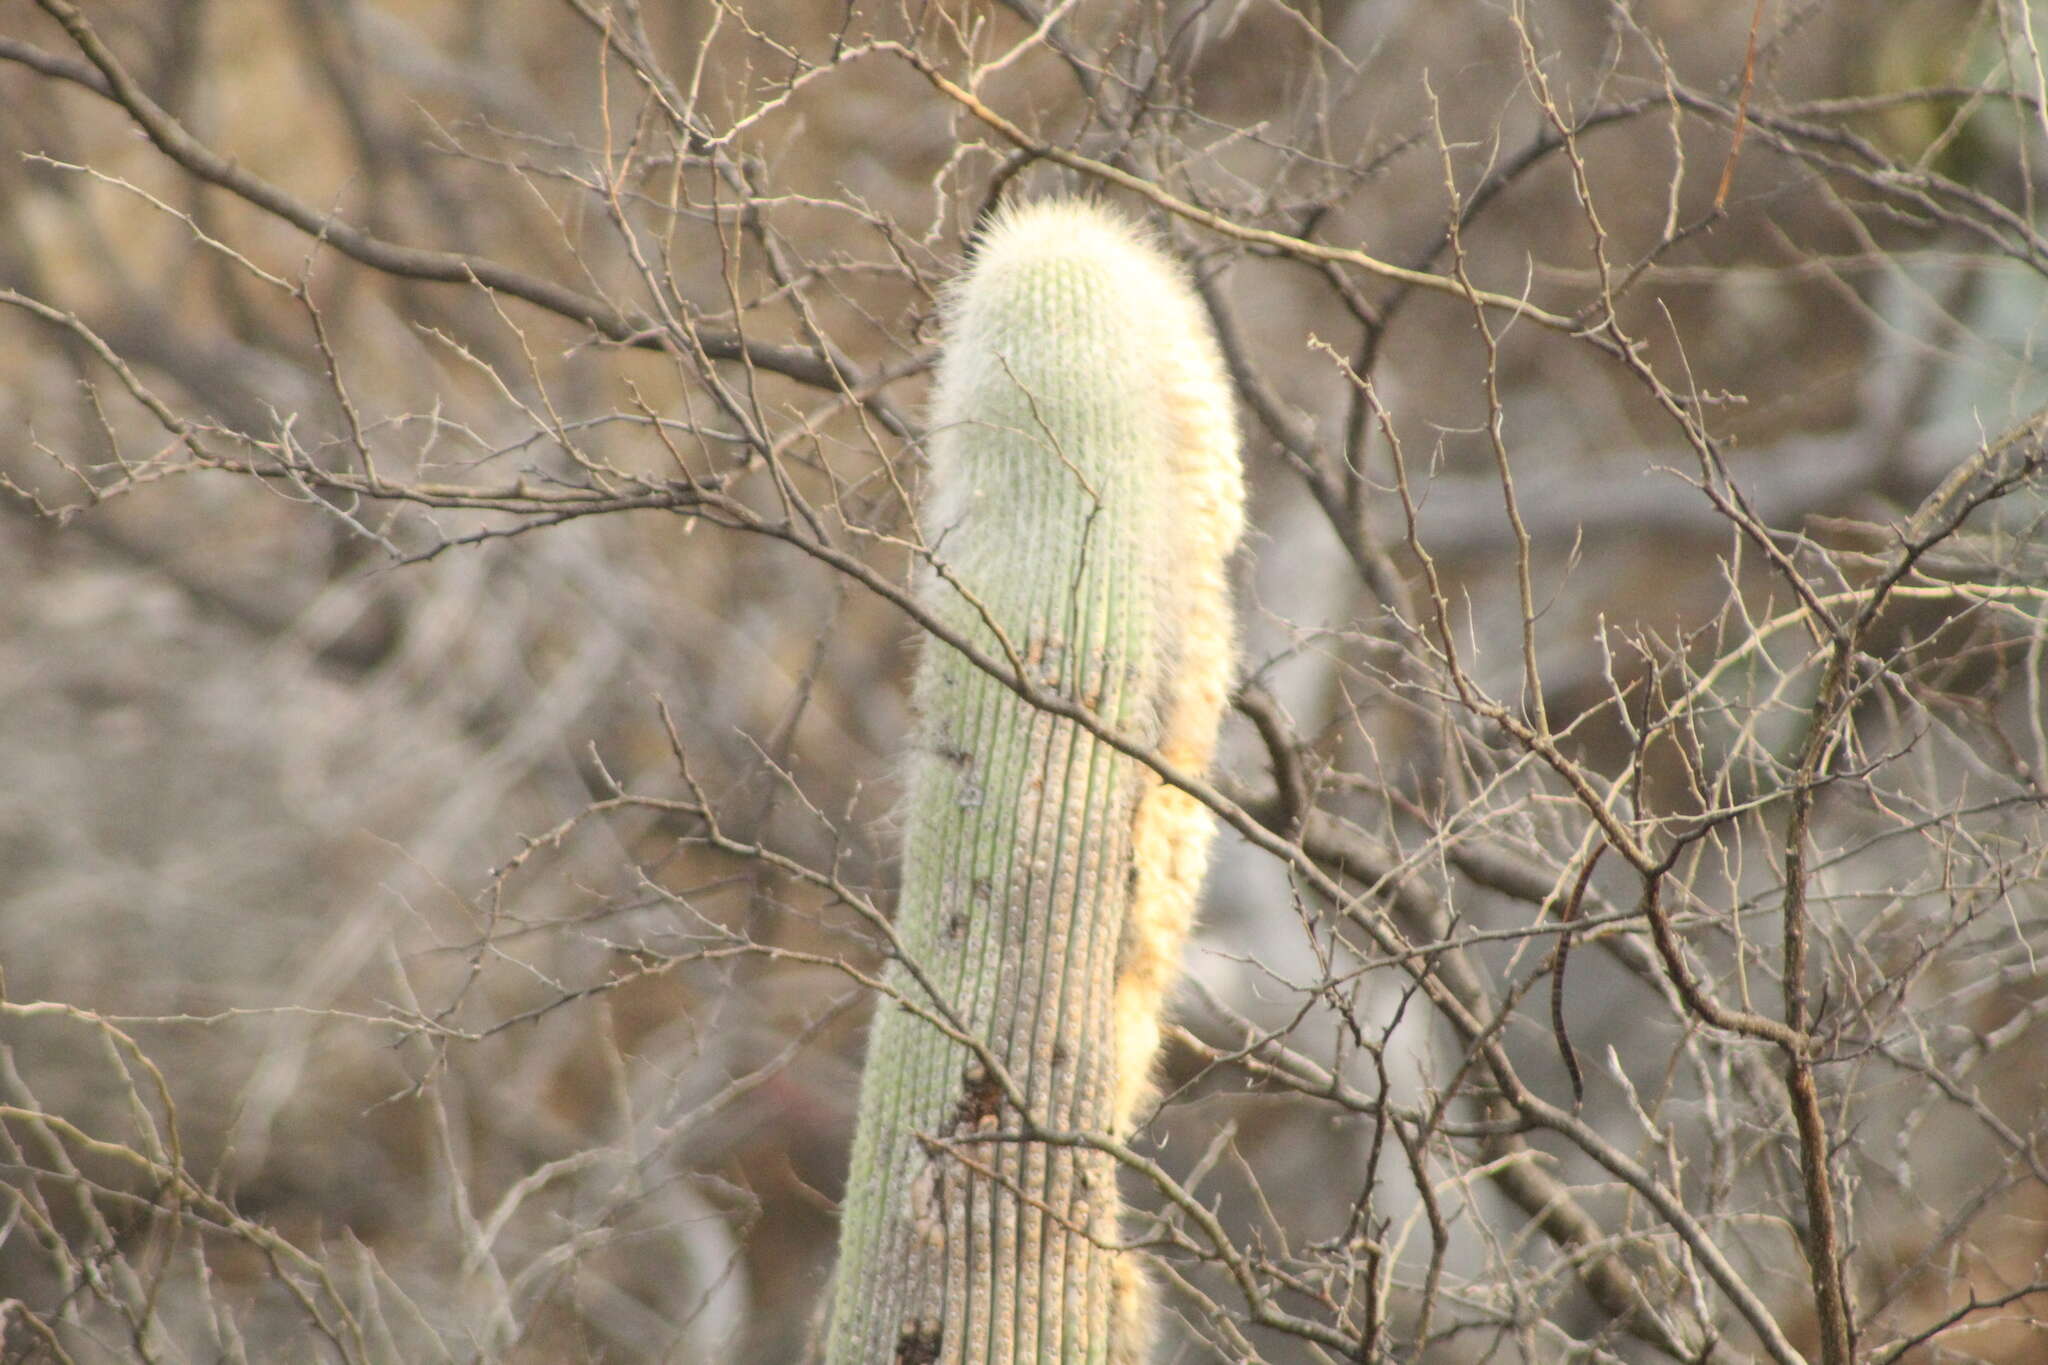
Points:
[(323, 691)]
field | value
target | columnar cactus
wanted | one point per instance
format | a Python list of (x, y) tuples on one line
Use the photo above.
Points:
[(1084, 495)]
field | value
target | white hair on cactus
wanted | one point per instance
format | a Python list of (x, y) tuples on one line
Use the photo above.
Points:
[(1085, 495)]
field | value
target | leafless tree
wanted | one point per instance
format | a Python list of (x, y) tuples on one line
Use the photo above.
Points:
[(439, 910)]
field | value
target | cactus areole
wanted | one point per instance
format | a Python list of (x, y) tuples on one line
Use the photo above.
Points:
[(1084, 495)]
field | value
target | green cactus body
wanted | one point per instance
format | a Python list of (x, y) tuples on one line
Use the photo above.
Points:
[(1084, 494)]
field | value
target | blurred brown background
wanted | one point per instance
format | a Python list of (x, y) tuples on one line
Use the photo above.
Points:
[(297, 780)]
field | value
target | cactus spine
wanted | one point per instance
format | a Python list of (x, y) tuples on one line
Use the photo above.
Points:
[(1084, 496)]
